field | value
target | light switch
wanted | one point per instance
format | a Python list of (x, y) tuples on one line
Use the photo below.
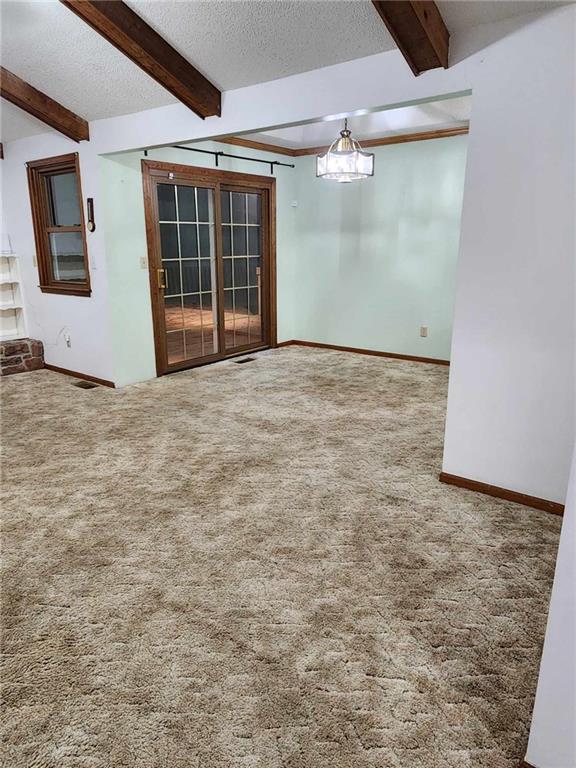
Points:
[(424, 331)]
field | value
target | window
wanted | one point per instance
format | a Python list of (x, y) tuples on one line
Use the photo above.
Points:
[(56, 200)]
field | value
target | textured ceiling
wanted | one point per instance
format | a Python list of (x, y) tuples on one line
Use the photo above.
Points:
[(243, 42), (51, 48), (446, 113), (463, 14), (234, 43)]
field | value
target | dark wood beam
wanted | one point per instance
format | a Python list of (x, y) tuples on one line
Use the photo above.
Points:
[(418, 30), (122, 27), (1, 152), (36, 103), (262, 146), (382, 141)]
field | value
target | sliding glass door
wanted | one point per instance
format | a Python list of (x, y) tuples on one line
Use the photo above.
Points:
[(211, 263), (188, 273), (242, 258)]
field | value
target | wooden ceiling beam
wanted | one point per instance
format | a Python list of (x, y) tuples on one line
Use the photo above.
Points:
[(418, 30), (136, 39), (403, 138), (41, 106), (382, 141), (239, 141)]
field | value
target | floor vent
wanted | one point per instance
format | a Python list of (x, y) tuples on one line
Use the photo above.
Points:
[(244, 360), (85, 384)]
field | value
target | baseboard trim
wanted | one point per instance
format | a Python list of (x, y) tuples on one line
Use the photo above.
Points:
[(502, 493), (359, 351), (76, 375)]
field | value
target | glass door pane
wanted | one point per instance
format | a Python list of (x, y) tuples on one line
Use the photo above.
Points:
[(188, 254), (242, 268)]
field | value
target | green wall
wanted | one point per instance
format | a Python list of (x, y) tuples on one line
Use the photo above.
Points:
[(378, 257), (129, 288), (361, 265)]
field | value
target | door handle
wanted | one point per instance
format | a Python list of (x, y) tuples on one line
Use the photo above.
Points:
[(161, 273)]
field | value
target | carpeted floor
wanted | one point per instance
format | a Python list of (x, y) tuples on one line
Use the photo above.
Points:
[(254, 566)]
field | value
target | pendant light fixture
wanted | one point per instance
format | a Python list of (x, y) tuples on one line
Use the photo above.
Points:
[(345, 160)]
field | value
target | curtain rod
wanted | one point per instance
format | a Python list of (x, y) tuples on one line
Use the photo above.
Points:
[(218, 155)]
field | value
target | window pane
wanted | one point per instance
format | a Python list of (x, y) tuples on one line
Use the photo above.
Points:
[(203, 209), (63, 200), (173, 314), (169, 241), (194, 343), (239, 241), (209, 325), (227, 273), (240, 272), (225, 205), (206, 274), (190, 277), (166, 202), (254, 241), (175, 346), (172, 278), (226, 241), (253, 301), (186, 204), (188, 241), (241, 318), (67, 255), (238, 207), (204, 237), (241, 300), (253, 209), (192, 311)]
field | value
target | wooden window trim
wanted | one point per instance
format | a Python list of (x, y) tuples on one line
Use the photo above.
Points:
[(37, 171)]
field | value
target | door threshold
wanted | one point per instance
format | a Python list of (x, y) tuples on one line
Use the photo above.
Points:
[(201, 363)]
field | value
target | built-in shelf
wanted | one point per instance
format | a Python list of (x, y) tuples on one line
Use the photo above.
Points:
[(9, 336), (12, 322)]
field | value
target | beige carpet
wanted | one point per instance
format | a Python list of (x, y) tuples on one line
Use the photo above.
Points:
[(254, 566)]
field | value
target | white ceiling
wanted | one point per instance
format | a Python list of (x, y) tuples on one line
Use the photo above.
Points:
[(233, 42), (447, 113)]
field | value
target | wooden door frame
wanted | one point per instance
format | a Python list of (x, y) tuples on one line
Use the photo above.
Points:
[(154, 172)]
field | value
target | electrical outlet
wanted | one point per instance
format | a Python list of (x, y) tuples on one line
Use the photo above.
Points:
[(143, 262), (68, 340), (424, 331)]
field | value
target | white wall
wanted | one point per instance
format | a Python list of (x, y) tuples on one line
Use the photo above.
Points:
[(49, 317), (510, 410), (378, 258), (510, 417), (552, 742)]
